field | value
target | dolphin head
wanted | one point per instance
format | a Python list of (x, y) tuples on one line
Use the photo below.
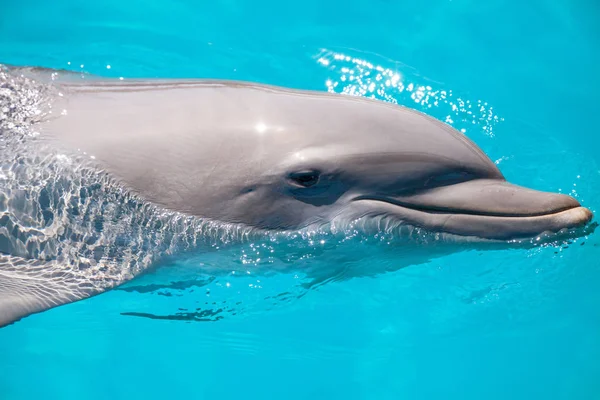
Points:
[(281, 159), (362, 159)]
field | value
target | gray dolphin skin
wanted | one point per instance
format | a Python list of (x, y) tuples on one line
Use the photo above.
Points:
[(266, 158)]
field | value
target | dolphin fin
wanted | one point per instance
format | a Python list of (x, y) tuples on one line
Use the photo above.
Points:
[(32, 286)]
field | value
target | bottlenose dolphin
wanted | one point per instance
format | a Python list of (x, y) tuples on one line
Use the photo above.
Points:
[(247, 155)]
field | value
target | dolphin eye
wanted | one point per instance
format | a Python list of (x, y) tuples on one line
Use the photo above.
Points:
[(305, 178)]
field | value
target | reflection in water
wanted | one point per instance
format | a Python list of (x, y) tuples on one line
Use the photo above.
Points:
[(198, 316), (241, 281)]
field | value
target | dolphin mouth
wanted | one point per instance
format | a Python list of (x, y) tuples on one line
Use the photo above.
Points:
[(484, 208)]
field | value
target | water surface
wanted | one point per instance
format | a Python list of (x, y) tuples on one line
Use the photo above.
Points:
[(518, 78)]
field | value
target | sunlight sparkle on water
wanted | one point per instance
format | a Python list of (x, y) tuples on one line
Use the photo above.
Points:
[(356, 77)]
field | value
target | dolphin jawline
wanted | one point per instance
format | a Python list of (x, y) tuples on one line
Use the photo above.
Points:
[(488, 209)]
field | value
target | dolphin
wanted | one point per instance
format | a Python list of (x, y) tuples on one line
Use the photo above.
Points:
[(152, 157)]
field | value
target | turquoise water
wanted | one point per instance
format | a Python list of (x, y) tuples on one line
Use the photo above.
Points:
[(519, 78)]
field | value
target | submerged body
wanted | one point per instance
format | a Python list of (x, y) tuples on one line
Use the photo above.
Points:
[(276, 159)]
